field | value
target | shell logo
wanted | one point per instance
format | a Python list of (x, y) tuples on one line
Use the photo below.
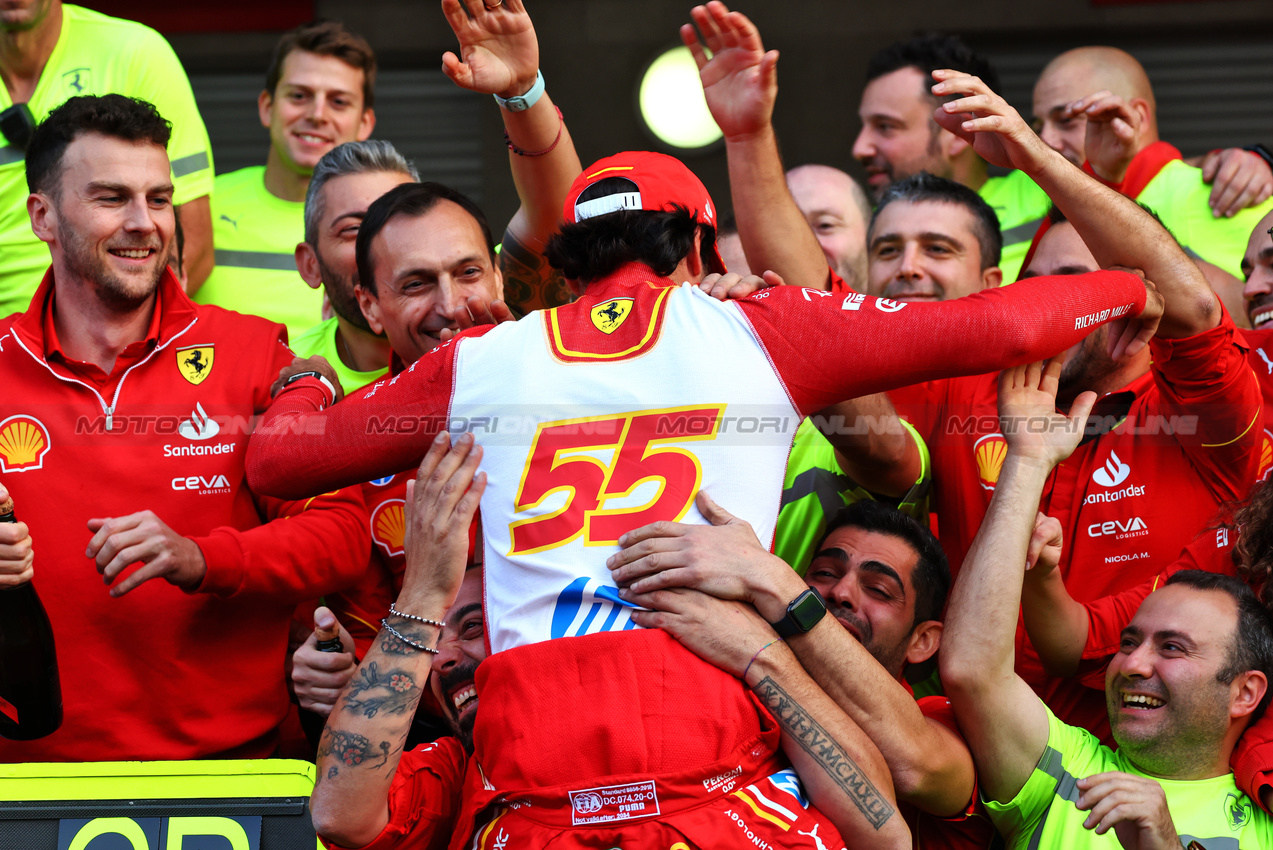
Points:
[(388, 526), (1266, 457), (990, 451), (23, 443)]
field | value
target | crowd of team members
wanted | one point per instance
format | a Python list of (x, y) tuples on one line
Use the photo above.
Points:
[(1081, 655)]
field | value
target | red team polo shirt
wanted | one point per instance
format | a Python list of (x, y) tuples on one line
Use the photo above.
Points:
[(1128, 499), (160, 673)]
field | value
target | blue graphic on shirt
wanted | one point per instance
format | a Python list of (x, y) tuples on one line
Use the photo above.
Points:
[(586, 606), (786, 780)]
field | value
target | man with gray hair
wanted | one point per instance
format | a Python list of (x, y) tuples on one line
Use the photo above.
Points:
[(838, 210), (345, 182)]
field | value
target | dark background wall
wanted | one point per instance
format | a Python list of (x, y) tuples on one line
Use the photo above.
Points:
[(1211, 63)]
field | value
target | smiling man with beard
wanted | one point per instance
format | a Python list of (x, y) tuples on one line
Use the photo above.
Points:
[(1191, 673), (122, 398)]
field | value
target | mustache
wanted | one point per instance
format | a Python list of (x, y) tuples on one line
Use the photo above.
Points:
[(460, 674), (847, 617)]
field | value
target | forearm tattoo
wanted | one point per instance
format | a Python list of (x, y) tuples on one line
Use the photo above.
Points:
[(824, 749), (418, 632), (351, 750), (399, 691), (529, 282)]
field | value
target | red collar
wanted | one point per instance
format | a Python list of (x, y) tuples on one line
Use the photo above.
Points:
[(1143, 169), (174, 312)]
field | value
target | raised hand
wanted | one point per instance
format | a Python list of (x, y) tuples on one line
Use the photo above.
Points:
[(1044, 552), (1028, 417), (740, 81), (1113, 127), (499, 53), (441, 503), (985, 120)]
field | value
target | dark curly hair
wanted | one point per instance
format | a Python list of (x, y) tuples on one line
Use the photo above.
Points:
[(596, 247), (930, 52), (1253, 551)]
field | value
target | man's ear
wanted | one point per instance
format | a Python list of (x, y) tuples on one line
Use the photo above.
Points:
[(953, 145), (1245, 692), (1144, 113), (307, 265), (992, 277), (694, 259), (264, 106), (366, 124), (370, 309), (43, 217), (924, 641)]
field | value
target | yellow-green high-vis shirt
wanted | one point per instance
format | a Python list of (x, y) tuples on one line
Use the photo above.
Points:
[(1042, 816), (1182, 201), (1021, 207), (255, 236), (320, 340), (97, 54)]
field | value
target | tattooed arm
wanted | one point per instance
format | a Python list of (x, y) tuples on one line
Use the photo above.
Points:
[(362, 743), (846, 777)]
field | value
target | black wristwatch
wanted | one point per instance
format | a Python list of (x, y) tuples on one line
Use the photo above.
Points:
[(803, 614)]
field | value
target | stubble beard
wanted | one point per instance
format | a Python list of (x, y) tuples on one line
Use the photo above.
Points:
[(340, 292)]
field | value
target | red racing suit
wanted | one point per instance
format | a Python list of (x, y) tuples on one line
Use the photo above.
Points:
[(160, 673), (971, 829), (1128, 499), (596, 419)]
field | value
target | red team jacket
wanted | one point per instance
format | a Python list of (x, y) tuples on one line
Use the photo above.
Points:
[(1129, 499), (159, 673)]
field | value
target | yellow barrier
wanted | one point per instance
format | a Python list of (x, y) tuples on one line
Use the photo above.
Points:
[(242, 805)]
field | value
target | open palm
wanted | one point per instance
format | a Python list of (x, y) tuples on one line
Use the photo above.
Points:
[(499, 53)]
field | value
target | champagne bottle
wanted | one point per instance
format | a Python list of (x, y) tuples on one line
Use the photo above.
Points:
[(30, 691)]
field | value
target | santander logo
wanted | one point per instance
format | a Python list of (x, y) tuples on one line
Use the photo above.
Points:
[(1113, 473), (199, 426)]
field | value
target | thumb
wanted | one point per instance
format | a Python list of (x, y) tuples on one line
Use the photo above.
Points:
[(326, 626), (4, 493), (711, 511), (773, 278)]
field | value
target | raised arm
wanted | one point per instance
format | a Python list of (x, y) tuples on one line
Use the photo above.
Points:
[(740, 84), (363, 741), (1004, 723), (499, 54), (1114, 228)]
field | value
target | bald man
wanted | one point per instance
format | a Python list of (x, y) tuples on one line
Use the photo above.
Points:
[(1096, 105), (838, 210)]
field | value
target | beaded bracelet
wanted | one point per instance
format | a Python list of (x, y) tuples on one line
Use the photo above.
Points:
[(393, 610), (757, 655), (384, 623), (561, 125)]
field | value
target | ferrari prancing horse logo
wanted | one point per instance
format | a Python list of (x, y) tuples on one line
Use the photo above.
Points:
[(195, 362), (608, 315)]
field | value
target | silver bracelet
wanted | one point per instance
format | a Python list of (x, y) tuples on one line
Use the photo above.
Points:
[(384, 623), (393, 610)]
